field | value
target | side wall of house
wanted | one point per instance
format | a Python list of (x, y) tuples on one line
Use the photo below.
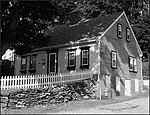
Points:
[(121, 77)]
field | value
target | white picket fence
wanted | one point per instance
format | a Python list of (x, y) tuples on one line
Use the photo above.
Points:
[(44, 80)]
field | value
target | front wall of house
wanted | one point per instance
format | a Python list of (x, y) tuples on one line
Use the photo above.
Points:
[(17, 65), (110, 42), (63, 59), (41, 64)]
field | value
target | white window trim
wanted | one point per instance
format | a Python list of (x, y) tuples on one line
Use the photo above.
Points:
[(119, 29), (55, 62), (86, 57), (135, 64), (72, 58), (128, 34), (113, 53), (131, 63)]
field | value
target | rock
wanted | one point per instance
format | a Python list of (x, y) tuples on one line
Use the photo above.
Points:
[(86, 97), (57, 94), (20, 105), (4, 99), (20, 96), (13, 101), (3, 105), (52, 101)]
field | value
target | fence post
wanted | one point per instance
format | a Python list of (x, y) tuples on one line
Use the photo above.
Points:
[(1, 82), (8, 84)]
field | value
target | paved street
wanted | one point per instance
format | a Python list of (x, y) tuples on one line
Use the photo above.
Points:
[(137, 106)]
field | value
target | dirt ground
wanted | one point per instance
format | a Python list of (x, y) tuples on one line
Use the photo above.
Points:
[(136, 106), (74, 106)]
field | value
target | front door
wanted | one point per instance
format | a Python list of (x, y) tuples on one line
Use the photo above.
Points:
[(52, 63)]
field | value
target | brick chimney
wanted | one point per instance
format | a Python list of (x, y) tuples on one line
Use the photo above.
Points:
[(75, 16)]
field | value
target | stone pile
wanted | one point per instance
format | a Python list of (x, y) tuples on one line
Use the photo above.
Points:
[(80, 90)]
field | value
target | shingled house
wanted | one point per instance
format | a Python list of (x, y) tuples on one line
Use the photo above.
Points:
[(81, 46)]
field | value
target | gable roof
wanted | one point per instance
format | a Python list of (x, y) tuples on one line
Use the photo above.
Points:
[(83, 30)]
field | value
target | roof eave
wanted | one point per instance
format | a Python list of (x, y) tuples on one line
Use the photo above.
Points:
[(63, 45)]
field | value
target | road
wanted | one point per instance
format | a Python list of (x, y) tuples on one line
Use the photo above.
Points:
[(136, 106)]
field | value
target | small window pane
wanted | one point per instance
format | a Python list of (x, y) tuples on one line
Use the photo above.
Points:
[(72, 62), (131, 64), (119, 30), (32, 62), (85, 57), (114, 59), (72, 55), (23, 64), (23, 60), (119, 27), (72, 58), (128, 34)]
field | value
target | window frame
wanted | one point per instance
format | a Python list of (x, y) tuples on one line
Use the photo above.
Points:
[(32, 69), (87, 57), (84, 66), (71, 67), (118, 30), (131, 64), (135, 64), (133, 60), (128, 36), (113, 52)]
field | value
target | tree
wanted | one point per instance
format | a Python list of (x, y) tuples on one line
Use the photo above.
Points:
[(24, 22)]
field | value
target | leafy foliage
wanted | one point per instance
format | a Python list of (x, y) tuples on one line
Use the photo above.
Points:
[(24, 22)]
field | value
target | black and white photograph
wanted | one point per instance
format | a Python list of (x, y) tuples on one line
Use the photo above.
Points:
[(74, 56)]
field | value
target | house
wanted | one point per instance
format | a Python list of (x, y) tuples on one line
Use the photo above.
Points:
[(106, 45)]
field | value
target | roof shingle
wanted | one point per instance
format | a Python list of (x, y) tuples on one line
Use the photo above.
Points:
[(89, 28)]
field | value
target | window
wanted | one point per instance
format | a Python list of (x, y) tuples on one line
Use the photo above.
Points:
[(23, 65), (32, 67), (119, 29), (135, 65), (128, 34), (132, 64), (84, 58), (113, 59), (71, 60)]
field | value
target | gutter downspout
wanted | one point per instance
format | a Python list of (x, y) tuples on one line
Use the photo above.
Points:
[(141, 74), (98, 81)]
